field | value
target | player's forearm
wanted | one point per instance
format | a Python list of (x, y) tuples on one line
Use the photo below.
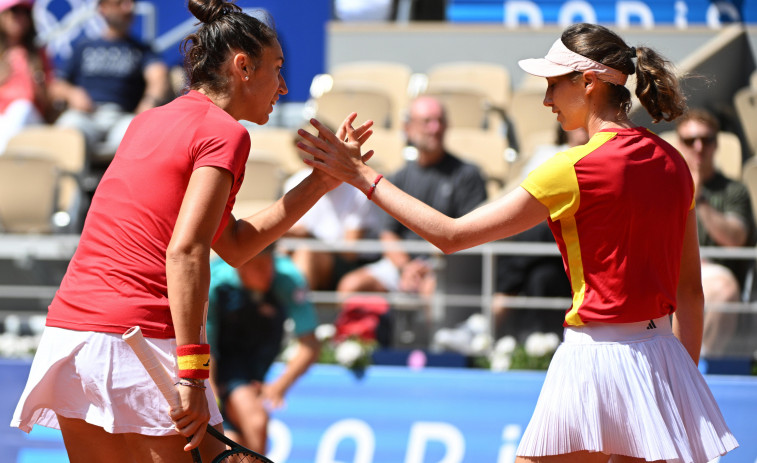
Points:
[(188, 277), (246, 237), (688, 323), (688, 319), (430, 224)]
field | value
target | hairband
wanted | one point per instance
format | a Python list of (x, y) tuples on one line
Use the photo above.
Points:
[(560, 60)]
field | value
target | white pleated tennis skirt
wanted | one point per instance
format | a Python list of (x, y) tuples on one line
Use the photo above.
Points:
[(96, 377), (626, 389)]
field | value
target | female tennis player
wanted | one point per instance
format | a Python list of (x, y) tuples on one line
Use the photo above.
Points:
[(143, 257), (624, 383)]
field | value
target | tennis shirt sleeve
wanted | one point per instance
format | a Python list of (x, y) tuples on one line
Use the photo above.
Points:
[(555, 184), (228, 152)]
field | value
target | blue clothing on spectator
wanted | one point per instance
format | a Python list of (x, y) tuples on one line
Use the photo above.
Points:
[(111, 71), (451, 186)]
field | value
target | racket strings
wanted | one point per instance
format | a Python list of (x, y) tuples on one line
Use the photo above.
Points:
[(240, 456)]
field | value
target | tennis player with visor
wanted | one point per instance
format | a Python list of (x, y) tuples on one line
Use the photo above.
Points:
[(624, 384)]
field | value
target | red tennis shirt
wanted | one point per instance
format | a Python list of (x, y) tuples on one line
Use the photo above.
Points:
[(117, 277), (618, 208)]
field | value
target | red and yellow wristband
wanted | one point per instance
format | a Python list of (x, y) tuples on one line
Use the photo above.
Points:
[(194, 361)]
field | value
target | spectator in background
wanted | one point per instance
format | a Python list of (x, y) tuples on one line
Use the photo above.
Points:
[(246, 313), (25, 72), (342, 215), (108, 80), (724, 218), (436, 178)]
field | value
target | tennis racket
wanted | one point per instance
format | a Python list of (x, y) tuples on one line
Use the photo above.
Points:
[(236, 453)]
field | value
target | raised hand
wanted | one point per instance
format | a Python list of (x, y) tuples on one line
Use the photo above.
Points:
[(339, 155), (349, 134)]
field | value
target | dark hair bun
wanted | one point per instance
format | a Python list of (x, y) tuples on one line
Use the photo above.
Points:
[(208, 11)]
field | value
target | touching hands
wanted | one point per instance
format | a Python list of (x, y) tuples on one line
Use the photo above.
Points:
[(338, 155)]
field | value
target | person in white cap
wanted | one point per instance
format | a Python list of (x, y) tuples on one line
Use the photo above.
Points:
[(624, 383), (25, 72)]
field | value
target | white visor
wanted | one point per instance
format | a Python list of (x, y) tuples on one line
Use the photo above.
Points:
[(560, 61)]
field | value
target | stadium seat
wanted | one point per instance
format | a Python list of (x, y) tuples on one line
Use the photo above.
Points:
[(280, 142), (389, 77), (728, 157), (484, 149), (388, 146), (66, 147), (28, 186), (466, 106), (493, 80), (749, 178), (367, 100), (530, 117), (262, 184), (745, 101)]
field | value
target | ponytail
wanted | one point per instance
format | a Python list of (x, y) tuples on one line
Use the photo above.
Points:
[(657, 87)]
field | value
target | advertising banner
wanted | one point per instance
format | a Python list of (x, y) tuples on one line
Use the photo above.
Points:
[(621, 13), (394, 415)]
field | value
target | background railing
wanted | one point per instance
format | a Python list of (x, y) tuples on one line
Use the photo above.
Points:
[(31, 267)]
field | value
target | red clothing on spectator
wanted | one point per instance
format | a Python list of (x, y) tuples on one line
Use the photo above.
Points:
[(22, 83)]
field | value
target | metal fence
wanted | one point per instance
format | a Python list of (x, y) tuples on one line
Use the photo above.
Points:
[(25, 253)]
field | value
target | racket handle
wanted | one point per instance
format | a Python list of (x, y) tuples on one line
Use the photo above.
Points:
[(146, 356), (159, 375)]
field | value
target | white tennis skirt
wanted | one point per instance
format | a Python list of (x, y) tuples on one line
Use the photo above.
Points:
[(626, 389), (96, 377)]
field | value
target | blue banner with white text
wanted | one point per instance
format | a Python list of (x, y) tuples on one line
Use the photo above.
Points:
[(394, 414), (622, 13)]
